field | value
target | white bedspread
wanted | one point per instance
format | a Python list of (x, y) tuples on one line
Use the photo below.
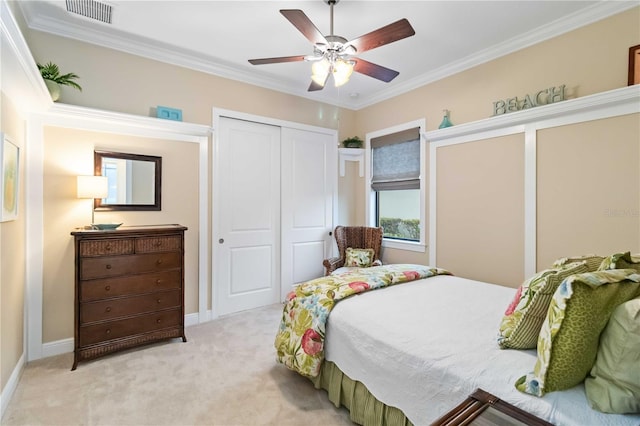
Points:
[(425, 346)]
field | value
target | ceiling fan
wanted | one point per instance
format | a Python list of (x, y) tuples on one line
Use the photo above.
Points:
[(334, 55)]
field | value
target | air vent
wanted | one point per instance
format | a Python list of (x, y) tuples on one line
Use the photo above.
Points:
[(91, 9)]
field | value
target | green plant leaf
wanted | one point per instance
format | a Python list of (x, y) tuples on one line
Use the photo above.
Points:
[(51, 71)]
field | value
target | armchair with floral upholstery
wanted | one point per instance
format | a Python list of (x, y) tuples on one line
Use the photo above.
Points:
[(355, 237)]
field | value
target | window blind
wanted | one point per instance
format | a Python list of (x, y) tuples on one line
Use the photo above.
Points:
[(396, 161)]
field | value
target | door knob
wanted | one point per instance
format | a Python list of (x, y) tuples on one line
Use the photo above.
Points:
[(221, 240), (330, 233)]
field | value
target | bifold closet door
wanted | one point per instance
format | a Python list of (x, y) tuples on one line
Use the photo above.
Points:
[(247, 248)]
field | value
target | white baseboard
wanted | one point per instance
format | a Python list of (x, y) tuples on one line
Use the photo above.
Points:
[(57, 348), (66, 345), (10, 387), (191, 319)]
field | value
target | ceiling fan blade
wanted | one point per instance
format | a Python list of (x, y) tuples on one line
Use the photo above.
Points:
[(304, 25), (314, 87), (385, 35), (277, 60), (374, 70)]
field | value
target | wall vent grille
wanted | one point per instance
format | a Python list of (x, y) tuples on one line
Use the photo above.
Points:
[(91, 9)]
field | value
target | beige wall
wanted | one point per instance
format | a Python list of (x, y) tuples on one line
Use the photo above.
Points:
[(116, 81), (480, 209), (69, 153), (12, 256), (588, 189)]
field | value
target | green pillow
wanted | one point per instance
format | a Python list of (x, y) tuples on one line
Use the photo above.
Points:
[(620, 261), (568, 342), (361, 258), (525, 315), (593, 261), (614, 383)]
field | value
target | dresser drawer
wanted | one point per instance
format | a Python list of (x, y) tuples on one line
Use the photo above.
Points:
[(106, 247), (97, 333), (127, 306), (111, 266), (131, 285), (155, 244)]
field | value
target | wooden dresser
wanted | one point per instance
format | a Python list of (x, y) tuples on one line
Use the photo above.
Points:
[(129, 288)]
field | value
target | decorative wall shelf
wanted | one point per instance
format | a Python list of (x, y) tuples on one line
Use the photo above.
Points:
[(351, 154)]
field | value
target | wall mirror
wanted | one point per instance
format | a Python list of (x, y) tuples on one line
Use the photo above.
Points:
[(134, 181)]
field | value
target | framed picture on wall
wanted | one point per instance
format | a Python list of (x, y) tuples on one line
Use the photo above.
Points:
[(634, 65), (9, 179)]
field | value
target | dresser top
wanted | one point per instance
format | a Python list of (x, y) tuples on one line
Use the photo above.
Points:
[(129, 230)]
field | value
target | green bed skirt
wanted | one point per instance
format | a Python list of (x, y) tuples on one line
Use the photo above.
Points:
[(363, 407)]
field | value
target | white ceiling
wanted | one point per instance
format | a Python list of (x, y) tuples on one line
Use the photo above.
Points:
[(219, 37)]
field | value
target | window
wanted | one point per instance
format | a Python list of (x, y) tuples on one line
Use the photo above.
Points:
[(395, 163)]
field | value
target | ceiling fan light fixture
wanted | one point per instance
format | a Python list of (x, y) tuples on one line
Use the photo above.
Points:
[(342, 70)]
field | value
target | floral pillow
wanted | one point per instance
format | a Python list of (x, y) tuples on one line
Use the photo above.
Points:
[(361, 258), (568, 342), (525, 315), (620, 261)]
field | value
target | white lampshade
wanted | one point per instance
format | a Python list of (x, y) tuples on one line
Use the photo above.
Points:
[(92, 187), (320, 71), (342, 70)]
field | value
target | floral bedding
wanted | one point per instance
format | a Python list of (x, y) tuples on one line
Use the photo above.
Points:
[(300, 339)]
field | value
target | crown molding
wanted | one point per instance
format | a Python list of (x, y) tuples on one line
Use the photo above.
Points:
[(21, 80), (579, 19), (163, 52), (188, 59)]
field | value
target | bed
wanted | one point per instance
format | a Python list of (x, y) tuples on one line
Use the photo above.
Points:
[(418, 349)]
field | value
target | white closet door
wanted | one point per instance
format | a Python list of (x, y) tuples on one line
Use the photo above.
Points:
[(309, 179), (247, 256)]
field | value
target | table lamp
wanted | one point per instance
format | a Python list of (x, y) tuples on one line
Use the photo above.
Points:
[(92, 187)]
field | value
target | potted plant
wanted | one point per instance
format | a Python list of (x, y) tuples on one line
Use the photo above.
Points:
[(352, 142), (53, 79)]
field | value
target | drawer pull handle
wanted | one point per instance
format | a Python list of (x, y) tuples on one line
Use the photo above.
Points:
[(158, 320), (158, 281), (159, 300), (108, 266), (108, 309), (108, 331), (158, 243), (108, 247), (159, 261), (107, 288)]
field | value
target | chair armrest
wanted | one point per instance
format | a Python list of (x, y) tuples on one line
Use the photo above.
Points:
[(332, 264)]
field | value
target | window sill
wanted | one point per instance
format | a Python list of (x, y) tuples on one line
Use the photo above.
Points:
[(404, 245)]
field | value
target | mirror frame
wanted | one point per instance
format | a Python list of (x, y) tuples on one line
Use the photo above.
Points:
[(98, 205)]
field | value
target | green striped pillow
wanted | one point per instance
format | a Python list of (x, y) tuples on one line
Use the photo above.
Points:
[(593, 261), (525, 315)]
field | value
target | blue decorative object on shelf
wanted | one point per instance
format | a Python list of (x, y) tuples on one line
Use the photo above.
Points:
[(445, 120), (169, 113)]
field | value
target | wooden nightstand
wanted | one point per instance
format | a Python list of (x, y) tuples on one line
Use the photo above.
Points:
[(483, 409)]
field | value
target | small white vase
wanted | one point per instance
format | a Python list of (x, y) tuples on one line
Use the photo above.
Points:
[(54, 89)]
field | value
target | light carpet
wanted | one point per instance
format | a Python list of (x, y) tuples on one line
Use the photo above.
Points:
[(225, 374)]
